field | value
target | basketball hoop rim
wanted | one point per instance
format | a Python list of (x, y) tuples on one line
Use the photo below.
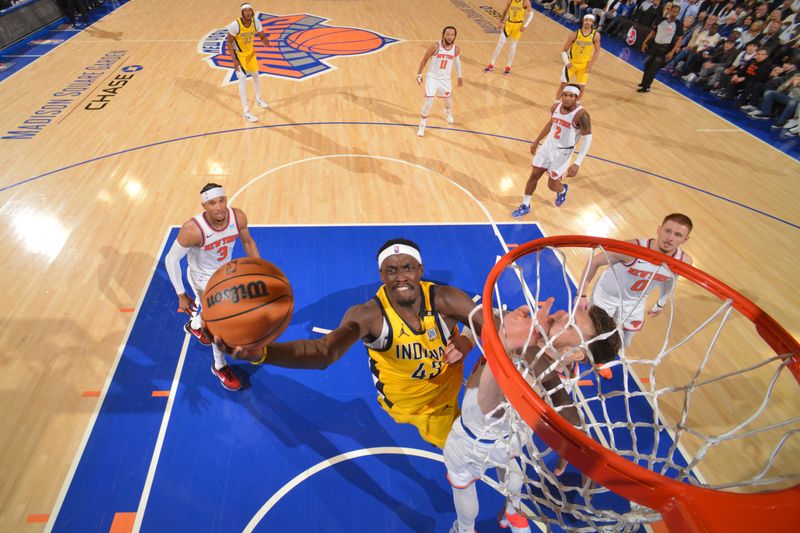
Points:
[(684, 507)]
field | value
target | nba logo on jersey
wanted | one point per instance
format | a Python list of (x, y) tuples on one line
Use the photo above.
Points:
[(431, 334), (300, 46)]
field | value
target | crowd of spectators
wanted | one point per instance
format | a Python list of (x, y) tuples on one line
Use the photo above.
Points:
[(746, 51)]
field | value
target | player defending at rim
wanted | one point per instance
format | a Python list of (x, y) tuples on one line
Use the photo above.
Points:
[(208, 239), (438, 81), (480, 436), (579, 54), (411, 334), (568, 122), (511, 29), (623, 288), (241, 34)]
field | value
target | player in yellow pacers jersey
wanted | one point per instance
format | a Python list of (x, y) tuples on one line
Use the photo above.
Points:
[(241, 34), (580, 53), (411, 334), (511, 28)]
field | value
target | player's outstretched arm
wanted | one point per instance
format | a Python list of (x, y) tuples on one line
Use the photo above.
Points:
[(248, 243), (314, 353)]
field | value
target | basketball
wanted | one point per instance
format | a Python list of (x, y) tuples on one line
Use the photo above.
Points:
[(335, 41), (247, 301)]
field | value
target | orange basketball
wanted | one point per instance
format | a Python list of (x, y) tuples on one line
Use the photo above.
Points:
[(335, 41), (247, 301)]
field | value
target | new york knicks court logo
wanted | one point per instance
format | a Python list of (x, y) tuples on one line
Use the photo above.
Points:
[(300, 46)]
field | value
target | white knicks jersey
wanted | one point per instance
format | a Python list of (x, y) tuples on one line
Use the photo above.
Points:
[(217, 246), (441, 64), (564, 132), (632, 280)]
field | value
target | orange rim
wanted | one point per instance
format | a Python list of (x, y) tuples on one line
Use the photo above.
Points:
[(684, 507)]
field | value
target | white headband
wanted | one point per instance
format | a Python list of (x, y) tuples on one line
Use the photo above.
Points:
[(588, 16), (210, 194), (572, 90), (245, 6), (395, 249)]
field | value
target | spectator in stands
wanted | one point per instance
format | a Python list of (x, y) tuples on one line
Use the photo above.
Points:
[(70, 6), (606, 13), (698, 52), (717, 61), (769, 38), (752, 32), (748, 78), (622, 16), (720, 82), (787, 95), (692, 9)]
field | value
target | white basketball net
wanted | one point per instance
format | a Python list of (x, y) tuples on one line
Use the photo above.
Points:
[(680, 405)]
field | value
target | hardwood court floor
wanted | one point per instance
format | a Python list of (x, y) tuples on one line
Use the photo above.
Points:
[(86, 201)]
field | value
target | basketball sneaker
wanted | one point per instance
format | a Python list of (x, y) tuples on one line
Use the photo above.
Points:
[(517, 523), (489, 68), (261, 103), (197, 333), (454, 528), (227, 377), (249, 117), (521, 211), (605, 373), (450, 118), (561, 197), (421, 131), (507, 71)]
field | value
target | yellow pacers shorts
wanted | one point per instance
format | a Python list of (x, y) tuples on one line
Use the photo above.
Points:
[(249, 62), (512, 30), (578, 73), (433, 427)]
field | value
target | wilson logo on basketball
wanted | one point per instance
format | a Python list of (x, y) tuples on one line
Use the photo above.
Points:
[(300, 46), (630, 38), (253, 290)]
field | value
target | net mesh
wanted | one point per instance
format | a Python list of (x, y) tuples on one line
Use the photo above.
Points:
[(680, 402)]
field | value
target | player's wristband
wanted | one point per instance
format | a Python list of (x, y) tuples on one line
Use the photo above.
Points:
[(263, 357)]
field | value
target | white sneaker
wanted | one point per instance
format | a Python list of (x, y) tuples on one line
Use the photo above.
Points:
[(450, 118), (249, 117), (421, 131), (261, 103), (790, 124)]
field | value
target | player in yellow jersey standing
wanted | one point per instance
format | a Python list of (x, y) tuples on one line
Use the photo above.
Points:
[(511, 28), (410, 330), (580, 53), (241, 34)]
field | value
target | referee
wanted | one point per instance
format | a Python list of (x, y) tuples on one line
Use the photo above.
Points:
[(666, 37)]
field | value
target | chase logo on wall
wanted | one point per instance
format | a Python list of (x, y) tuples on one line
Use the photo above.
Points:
[(300, 46)]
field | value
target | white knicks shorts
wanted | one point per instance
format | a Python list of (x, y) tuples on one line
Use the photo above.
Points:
[(198, 280), (629, 313), (439, 87), (467, 459), (555, 160)]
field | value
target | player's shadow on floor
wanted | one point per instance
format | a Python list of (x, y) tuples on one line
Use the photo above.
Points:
[(317, 144), (208, 93), (301, 417), (115, 277)]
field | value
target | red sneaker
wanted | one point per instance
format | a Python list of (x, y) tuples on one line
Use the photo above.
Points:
[(605, 373), (507, 71), (198, 334), (227, 377), (517, 523)]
